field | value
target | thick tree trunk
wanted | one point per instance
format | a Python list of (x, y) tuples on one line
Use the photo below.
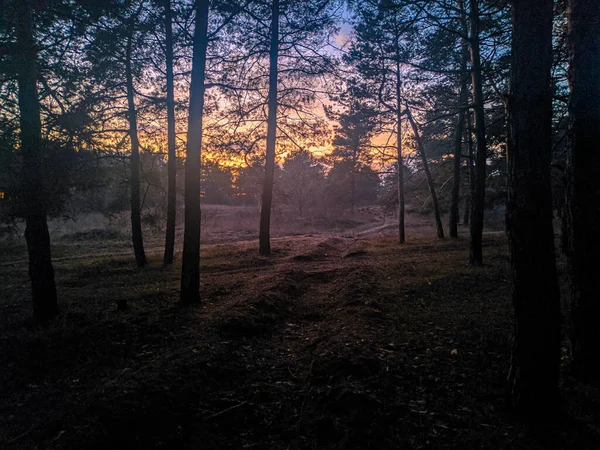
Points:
[(41, 271), (458, 137), (190, 264), (267, 194), (172, 156), (534, 373), (434, 200), (478, 200), (134, 178), (401, 205), (583, 185)]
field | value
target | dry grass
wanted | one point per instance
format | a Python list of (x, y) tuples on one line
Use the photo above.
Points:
[(336, 341)]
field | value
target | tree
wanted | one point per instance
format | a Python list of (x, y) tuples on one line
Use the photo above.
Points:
[(421, 148), (351, 143), (41, 272), (458, 136), (116, 52), (383, 43), (302, 181), (134, 177), (172, 156), (267, 194), (534, 372), (478, 198), (190, 266), (216, 183), (583, 189), (471, 170), (297, 34), (45, 86)]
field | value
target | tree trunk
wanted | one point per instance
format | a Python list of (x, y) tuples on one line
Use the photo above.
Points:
[(353, 185), (267, 194), (172, 156), (190, 264), (584, 190), (478, 200), (471, 171), (401, 206), (458, 137), (41, 272), (134, 179), (434, 200), (534, 373)]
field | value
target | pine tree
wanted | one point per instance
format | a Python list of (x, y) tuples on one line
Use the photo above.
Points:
[(534, 372)]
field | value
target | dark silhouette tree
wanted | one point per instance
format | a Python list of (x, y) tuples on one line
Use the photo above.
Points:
[(384, 36), (172, 156), (117, 53), (267, 194), (134, 177), (41, 272), (276, 69), (471, 170), (434, 200), (583, 188), (534, 372), (190, 265), (478, 198), (459, 131)]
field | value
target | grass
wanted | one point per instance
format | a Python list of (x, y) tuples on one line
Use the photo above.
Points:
[(331, 343)]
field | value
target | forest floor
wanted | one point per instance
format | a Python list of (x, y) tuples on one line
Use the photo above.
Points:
[(332, 343)]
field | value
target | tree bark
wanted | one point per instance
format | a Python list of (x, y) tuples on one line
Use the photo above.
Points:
[(190, 267), (583, 188), (434, 200), (471, 171), (401, 205), (534, 373), (478, 200), (353, 184), (267, 194), (458, 137), (41, 272), (134, 178), (172, 156)]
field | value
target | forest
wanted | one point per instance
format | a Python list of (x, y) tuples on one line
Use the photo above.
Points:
[(299, 224)]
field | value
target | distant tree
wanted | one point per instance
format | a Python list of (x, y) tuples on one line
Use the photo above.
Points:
[(190, 266), (583, 187), (352, 141), (340, 178), (302, 180), (249, 180), (217, 183), (534, 372)]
